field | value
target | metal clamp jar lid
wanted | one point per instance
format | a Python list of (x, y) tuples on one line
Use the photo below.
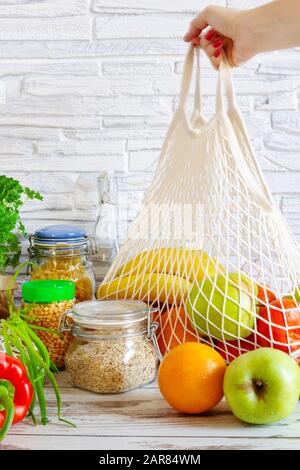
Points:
[(62, 236), (111, 319)]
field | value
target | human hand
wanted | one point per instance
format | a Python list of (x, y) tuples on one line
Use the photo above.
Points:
[(225, 29)]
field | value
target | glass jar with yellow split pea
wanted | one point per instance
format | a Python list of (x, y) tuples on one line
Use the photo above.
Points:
[(45, 302), (63, 252)]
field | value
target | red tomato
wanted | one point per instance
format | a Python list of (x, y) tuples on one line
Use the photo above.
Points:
[(235, 348), (284, 315), (265, 294)]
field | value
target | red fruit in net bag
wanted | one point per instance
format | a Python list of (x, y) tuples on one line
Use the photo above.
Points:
[(265, 295), (235, 348), (281, 324)]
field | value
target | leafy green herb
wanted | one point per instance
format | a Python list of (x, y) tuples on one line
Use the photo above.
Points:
[(12, 198), (20, 340)]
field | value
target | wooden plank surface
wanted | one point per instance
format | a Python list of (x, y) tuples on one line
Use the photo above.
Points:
[(142, 420), (141, 443)]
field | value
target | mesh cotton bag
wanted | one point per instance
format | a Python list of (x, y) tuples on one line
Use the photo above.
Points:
[(208, 248)]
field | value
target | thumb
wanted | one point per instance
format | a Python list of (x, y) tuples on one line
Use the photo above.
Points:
[(228, 48)]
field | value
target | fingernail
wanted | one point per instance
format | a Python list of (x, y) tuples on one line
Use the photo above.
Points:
[(217, 53), (218, 43), (209, 35)]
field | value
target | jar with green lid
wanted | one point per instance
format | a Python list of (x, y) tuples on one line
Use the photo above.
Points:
[(48, 300)]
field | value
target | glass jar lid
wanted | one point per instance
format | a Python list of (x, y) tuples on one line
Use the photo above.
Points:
[(60, 234), (109, 312), (61, 237), (107, 317)]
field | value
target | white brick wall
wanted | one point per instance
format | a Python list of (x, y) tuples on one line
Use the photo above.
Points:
[(92, 84)]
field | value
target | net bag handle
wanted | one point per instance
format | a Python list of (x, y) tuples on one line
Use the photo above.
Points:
[(256, 183), (186, 81)]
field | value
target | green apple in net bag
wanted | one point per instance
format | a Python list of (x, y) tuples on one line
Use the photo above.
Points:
[(223, 307), (294, 295)]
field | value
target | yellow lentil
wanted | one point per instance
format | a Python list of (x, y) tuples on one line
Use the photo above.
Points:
[(48, 316)]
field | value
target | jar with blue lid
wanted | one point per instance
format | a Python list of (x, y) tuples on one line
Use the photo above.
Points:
[(63, 252)]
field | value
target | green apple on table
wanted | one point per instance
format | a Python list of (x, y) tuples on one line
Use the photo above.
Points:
[(262, 386), (224, 307)]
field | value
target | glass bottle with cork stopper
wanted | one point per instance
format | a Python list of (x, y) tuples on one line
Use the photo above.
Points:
[(105, 228)]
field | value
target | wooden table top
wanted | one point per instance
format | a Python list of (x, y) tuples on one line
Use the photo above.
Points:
[(141, 419)]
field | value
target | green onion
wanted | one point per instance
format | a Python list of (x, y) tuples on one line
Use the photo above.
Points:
[(20, 340)]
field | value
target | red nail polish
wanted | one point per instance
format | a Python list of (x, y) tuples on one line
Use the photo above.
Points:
[(218, 43), (209, 35), (217, 53)]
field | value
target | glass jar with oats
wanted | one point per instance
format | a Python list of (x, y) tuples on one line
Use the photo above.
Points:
[(114, 348), (62, 252)]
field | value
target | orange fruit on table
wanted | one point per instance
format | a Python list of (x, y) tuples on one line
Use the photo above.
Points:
[(174, 328), (190, 377)]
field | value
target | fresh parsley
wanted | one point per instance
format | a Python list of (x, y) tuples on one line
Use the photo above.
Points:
[(12, 197)]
